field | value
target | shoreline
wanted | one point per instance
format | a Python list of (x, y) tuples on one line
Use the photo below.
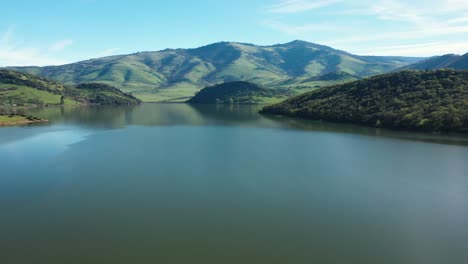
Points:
[(18, 120)]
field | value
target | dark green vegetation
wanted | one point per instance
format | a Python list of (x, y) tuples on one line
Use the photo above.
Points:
[(422, 100), (177, 74), (450, 61), (333, 76), (21, 89), (237, 93), (103, 94)]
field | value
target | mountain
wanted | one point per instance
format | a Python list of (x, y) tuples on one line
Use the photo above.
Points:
[(239, 92), (420, 100), (449, 61), (21, 89), (177, 74)]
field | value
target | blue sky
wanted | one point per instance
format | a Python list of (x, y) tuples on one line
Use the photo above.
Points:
[(56, 32)]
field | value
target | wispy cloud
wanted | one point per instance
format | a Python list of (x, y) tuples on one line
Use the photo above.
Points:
[(397, 11), (425, 20), (428, 23), (454, 5), (295, 6), (405, 35), (458, 20), (409, 11), (60, 45), (19, 53), (16, 54), (423, 49)]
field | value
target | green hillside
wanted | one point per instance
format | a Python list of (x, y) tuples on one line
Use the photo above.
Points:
[(449, 61), (237, 93), (21, 89), (421, 100), (177, 74)]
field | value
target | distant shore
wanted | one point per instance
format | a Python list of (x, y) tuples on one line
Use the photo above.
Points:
[(17, 120)]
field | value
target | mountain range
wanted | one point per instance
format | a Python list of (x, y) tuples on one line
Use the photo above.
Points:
[(178, 74), (449, 61)]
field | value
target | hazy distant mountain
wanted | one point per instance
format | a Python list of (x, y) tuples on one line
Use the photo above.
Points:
[(449, 61), (177, 74)]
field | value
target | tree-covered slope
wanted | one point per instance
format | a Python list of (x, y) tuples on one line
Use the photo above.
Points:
[(449, 61), (177, 74), (103, 94), (236, 93), (422, 100), (21, 89)]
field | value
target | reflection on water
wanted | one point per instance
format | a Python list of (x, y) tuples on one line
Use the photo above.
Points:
[(152, 115), (173, 183), (216, 115)]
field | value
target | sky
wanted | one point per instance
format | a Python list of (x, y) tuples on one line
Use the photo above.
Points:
[(51, 32)]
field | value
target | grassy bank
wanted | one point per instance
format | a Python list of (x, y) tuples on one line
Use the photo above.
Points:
[(14, 120)]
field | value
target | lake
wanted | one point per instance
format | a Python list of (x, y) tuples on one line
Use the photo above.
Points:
[(173, 183)]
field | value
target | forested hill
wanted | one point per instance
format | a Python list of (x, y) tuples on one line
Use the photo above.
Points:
[(177, 74), (420, 100), (103, 94), (236, 93)]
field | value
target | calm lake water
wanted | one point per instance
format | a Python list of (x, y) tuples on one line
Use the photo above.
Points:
[(173, 183)]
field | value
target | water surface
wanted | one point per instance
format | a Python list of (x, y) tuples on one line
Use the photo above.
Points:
[(173, 183)]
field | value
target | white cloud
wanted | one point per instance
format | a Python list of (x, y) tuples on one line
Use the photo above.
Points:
[(26, 57), (422, 49), (15, 54), (454, 5), (404, 35), (428, 24), (422, 13), (295, 6), (459, 20), (60, 45), (397, 11)]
